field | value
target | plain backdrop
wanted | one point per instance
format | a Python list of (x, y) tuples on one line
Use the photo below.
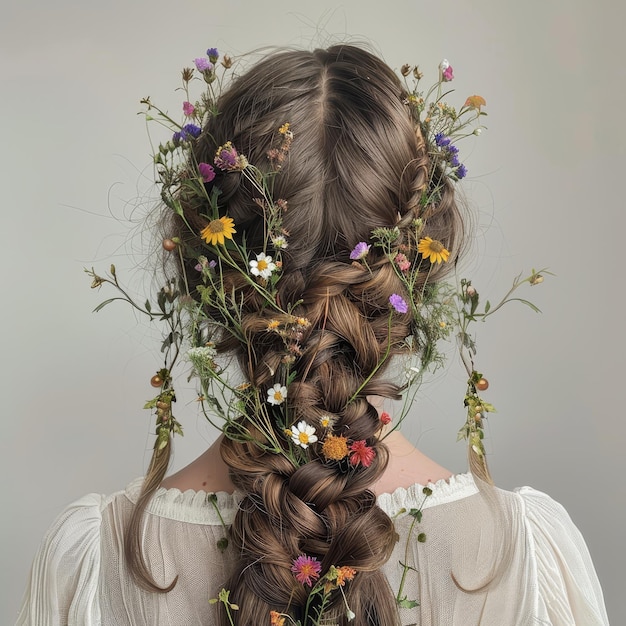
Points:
[(545, 185)]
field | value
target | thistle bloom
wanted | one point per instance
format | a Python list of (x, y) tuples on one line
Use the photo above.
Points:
[(228, 159), (361, 453), (398, 303), (277, 394), (263, 266), (433, 250), (303, 434), (213, 54), (218, 230), (306, 569), (206, 171), (203, 65), (360, 251)]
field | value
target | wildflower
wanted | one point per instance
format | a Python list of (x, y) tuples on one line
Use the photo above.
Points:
[(227, 61), (279, 242), (398, 303), (385, 418), (536, 279), (306, 569), (360, 251), (188, 109), (344, 573), (303, 321), (447, 73), (263, 266), (273, 325), (432, 250), (213, 54), (276, 619), (303, 434), (203, 65), (405, 70), (188, 131), (228, 159), (206, 171), (461, 171), (218, 230), (335, 448), (327, 421), (284, 129), (277, 394), (441, 140), (362, 454), (475, 102), (402, 262)]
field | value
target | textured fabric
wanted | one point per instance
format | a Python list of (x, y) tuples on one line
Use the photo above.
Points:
[(491, 557)]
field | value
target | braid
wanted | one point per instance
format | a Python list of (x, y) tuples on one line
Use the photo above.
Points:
[(358, 164)]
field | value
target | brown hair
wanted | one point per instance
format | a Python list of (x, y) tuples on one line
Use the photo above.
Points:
[(358, 162)]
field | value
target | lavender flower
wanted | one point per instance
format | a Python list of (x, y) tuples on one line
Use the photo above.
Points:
[(441, 140), (192, 129), (360, 251), (203, 65), (398, 303), (461, 172)]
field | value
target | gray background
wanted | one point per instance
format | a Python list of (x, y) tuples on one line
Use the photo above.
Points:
[(545, 185)]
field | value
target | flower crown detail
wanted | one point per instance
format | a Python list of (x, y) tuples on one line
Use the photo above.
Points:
[(238, 408)]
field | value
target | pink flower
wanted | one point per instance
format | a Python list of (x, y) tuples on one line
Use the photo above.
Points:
[(203, 65), (306, 569), (385, 418), (206, 171), (402, 262), (188, 109), (360, 251), (361, 453), (447, 73)]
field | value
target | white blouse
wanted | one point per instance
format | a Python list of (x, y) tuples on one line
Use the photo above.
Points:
[(497, 558)]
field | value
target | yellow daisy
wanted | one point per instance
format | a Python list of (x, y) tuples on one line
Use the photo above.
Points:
[(432, 250), (217, 230)]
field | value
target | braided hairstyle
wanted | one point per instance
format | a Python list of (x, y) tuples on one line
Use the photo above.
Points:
[(358, 162)]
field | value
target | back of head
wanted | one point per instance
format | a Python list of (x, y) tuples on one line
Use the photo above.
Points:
[(357, 162)]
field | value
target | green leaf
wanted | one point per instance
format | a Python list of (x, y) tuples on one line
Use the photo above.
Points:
[(487, 306), (148, 306), (407, 604)]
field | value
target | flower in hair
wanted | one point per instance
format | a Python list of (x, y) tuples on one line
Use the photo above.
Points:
[(360, 251), (461, 171), (280, 242), (447, 73), (385, 418), (228, 159), (277, 394), (361, 453), (263, 266), (306, 569), (432, 250), (303, 434), (213, 54), (276, 619), (216, 231), (206, 171), (398, 303), (402, 262), (327, 421), (203, 65), (335, 448)]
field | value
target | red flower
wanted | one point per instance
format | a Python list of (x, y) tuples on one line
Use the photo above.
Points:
[(361, 453), (385, 418)]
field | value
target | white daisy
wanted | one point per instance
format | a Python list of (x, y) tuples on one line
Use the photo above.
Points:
[(277, 394), (303, 434), (263, 266)]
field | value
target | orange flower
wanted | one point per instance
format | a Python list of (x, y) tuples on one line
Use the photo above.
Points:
[(335, 448), (432, 250), (217, 230), (344, 573), (475, 102), (276, 619)]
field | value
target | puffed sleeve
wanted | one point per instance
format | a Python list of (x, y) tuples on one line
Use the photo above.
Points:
[(63, 585), (569, 590)]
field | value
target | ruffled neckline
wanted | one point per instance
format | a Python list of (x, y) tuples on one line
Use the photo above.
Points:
[(201, 507)]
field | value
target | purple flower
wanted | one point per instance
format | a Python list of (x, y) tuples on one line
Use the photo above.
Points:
[(198, 267), (212, 264), (454, 160), (452, 149), (203, 65), (441, 140), (360, 251), (461, 172), (228, 159), (206, 171), (192, 129), (448, 74), (398, 303), (213, 54), (188, 108)]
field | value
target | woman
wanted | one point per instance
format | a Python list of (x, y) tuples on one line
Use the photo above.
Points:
[(310, 221)]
